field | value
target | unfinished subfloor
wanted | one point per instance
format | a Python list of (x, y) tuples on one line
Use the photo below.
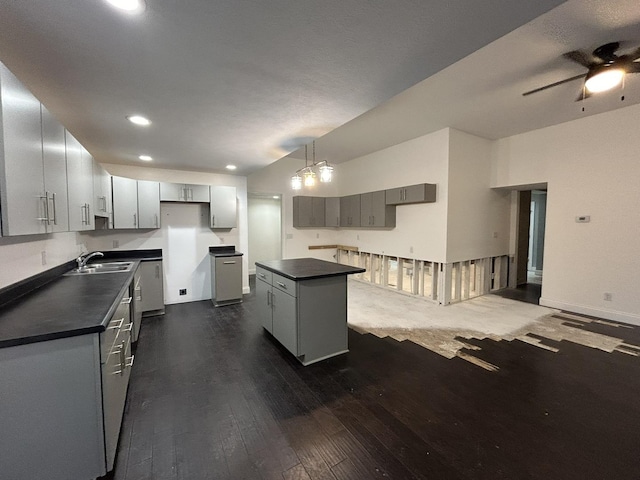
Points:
[(449, 330)]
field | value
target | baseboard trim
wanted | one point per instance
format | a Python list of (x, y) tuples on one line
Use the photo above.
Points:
[(246, 290), (615, 315)]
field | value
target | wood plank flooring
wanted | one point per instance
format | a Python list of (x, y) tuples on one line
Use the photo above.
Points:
[(212, 396)]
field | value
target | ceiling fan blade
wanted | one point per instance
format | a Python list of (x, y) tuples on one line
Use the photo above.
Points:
[(584, 59), (555, 84)]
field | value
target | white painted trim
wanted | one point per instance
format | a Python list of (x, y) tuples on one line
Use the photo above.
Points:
[(246, 290), (252, 271), (595, 312)]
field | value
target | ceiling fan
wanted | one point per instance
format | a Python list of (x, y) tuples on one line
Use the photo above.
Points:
[(605, 69)]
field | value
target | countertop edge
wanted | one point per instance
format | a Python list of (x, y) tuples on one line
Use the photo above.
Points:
[(311, 276)]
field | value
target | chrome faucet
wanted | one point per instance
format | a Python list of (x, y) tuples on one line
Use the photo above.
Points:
[(82, 261)]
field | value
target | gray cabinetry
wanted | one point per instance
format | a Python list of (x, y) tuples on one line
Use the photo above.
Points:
[(420, 193), (226, 279), (125, 202), (374, 212), (350, 211), (222, 206), (101, 191), (285, 313), (152, 288), (332, 212), (180, 192), (148, 204), (80, 185), (308, 211), (55, 173), (22, 179), (263, 298)]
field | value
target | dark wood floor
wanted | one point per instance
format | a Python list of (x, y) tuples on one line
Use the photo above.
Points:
[(212, 396), (527, 292)]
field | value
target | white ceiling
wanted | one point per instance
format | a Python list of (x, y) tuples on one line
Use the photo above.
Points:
[(246, 82)]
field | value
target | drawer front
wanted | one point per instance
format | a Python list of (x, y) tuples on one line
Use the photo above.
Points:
[(120, 322), (264, 275), (284, 284)]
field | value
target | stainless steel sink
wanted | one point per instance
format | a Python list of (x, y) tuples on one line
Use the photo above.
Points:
[(104, 267)]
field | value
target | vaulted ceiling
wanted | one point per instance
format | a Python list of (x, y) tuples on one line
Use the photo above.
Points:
[(248, 82)]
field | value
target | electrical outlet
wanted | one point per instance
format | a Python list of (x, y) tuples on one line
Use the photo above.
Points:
[(183, 291), (44, 257), (289, 236), (116, 243), (607, 297), (410, 249), (495, 234)]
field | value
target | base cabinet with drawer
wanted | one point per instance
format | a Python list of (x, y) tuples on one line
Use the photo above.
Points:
[(152, 292)]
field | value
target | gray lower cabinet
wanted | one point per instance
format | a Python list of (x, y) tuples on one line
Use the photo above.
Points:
[(308, 317), (136, 304), (332, 212), (62, 403), (374, 212), (420, 193), (350, 211), (308, 211), (226, 280), (152, 288), (223, 206)]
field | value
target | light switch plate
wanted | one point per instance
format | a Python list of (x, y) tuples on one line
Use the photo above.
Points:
[(583, 219)]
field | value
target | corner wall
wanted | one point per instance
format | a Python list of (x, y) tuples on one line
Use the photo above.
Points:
[(592, 168)]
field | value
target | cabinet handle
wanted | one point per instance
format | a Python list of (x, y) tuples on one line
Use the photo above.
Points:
[(119, 322), (281, 284), (129, 362), (213, 220), (55, 214), (135, 220), (262, 275), (84, 214), (128, 328), (126, 301), (268, 298), (230, 262), (46, 215)]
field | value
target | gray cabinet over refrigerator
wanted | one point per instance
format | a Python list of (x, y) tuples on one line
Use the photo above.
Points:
[(226, 275)]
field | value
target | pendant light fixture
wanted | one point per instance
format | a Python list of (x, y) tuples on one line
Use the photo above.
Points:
[(307, 176)]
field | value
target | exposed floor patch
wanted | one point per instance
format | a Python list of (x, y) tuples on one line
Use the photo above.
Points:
[(443, 330)]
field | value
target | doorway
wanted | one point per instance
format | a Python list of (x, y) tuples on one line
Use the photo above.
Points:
[(264, 216)]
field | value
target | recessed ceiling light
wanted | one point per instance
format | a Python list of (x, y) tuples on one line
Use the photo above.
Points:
[(231, 167), (139, 120), (145, 158), (129, 6)]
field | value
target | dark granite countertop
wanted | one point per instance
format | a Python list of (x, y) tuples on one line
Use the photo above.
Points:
[(224, 251), (67, 306), (308, 268)]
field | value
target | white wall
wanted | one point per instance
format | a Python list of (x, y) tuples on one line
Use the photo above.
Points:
[(21, 257), (265, 230), (477, 216), (592, 168), (184, 235)]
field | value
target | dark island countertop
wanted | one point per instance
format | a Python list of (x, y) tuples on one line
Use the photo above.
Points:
[(224, 251), (66, 306), (308, 268)]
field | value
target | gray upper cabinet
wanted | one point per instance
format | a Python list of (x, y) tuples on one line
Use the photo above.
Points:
[(421, 193), (80, 185), (101, 191), (148, 198), (374, 212), (22, 179), (125, 202), (55, 173), (223, 207), (350, 211), (332, 212), (308, 211), (180, 192)]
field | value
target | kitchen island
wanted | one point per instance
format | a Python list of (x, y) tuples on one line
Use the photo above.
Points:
[(302, 302)]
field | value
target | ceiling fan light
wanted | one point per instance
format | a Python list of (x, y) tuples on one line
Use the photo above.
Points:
[(296, 182), (604, 79)]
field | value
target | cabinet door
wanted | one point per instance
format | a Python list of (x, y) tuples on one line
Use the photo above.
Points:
[(228, 278), (263, 299), (223, 207), (55, 173), (302, 211), (394, 196), (125, 202), (197, 193), (22, 187), (383, 215), (172, 192), (153, 286), (422, 193), (350, 211), (317, 211), (148, 204), (366, 209), (86, 186), (285, 320), (101, 191), (78, 212), (332, 212)]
